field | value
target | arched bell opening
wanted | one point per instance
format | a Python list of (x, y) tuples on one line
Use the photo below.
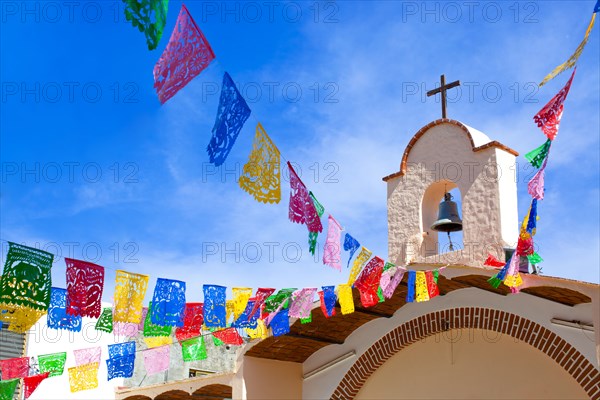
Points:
[(436, 241)]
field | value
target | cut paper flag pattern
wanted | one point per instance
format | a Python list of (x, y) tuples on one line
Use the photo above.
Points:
[(157, 360), (351, 245), (105, 322), (87, 356), (149, 17), (215, 313), (31, 383), (548, 118), (83, 377), (14, 368), (168, 303), (570, 63), (121, 360), (192, 322), (53, 363), (187, 54), (367, 282), (25, 286), (332, 252), (261, 176), (232, 114), (130, 290), (85, 282), (312, 236), (301, 208), (57, 313)]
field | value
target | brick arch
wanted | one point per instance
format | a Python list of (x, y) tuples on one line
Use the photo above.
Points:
[(421, 132), (523, 329)]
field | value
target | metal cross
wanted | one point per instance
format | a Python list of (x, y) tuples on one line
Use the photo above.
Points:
[(442, 89)]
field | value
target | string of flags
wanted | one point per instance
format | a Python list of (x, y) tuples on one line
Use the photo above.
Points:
[(548, 120), (234, 321)]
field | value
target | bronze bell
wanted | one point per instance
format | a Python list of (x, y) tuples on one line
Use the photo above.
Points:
[(448, 218)]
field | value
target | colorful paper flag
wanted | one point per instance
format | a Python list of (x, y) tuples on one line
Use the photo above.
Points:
[(31, 383), (259, 298), (548, 118), (535, 258), (280, 325), (20, 318), (215, 313), (260, 332), (121, 360), (231, 116), (535, 187), (53, 363), (536, 156), (168, 302), (130, 290), (187, 54), (570, 63), (154, 330), (193, 318), (194, 349), (261, 174), (302, 210), (141, 12), (241, 295), (492, 261), (87, 356), (57, 313), (412, 279), (26, 280), (105, 322), (432, 288), (157, 360), (327, 297), (301, 303), (8, 389), (229, 336), (421, 292), (351, 245), (367, 282), (345, 298), (390, 279), (83, 377), (312, 236), (358, 264), (332, 253), (14, 368), (532, 222), (85, 282)]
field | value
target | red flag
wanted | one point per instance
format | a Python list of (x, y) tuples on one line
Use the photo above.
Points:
[(32, 382), (548, 118)]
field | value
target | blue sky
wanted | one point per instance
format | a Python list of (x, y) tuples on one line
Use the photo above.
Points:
[(118, 179)]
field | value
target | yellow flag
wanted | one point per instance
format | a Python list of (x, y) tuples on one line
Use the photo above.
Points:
[(345, 298), (261, 174), (157, 341), (358, 264), (570, 63), (260, 332), (513, 280), (241, 295), (20, 318), (83, 377), (421, 293), (130, 290)]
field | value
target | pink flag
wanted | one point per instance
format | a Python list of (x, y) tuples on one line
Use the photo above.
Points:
[(157, 359), (332, 253), (86, 356), (301, 303), (548, 118), (187, 54), (302, 209), (535, 187), (390, 280)]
